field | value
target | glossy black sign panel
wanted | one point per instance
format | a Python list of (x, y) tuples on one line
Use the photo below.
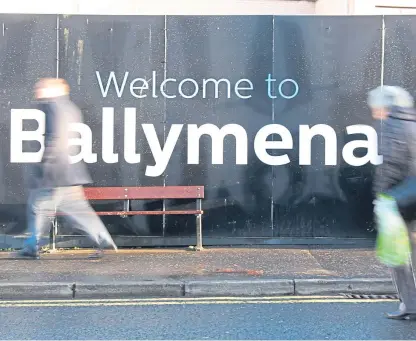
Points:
[(334, 62), (400, 52), (101, 56), (230, 49), (27, 53)]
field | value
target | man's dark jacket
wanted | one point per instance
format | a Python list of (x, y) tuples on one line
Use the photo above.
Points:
[(56, 170), (397, 174)]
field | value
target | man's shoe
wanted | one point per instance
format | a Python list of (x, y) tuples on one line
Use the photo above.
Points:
[(400, 315), (114, 246), (27, 253), (110, 243), (106, 241)]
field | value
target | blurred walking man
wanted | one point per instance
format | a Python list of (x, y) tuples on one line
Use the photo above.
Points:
[(394, 106), (60, 182)]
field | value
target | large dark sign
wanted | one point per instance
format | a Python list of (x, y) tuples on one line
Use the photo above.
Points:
[(269, 113)]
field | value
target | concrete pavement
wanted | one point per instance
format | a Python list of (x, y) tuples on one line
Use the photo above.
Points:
[(273, 318), (262, 271)]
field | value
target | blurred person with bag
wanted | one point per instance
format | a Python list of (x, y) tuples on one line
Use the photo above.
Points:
[(395, 190)]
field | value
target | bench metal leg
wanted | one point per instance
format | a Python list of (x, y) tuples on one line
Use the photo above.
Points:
[(53, 234), (52, 244), (199, 246)]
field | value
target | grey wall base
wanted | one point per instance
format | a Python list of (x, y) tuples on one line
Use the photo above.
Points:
[(16, 242)]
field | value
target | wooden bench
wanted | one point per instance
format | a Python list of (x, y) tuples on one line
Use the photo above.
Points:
[(126, 194)]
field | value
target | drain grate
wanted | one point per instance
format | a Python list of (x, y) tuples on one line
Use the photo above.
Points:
[(373, 297)]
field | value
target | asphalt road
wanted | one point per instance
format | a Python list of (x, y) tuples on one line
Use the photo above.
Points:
[(215, 318)]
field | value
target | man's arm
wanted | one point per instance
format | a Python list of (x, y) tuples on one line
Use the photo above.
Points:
[(395, 157), (49, 153)]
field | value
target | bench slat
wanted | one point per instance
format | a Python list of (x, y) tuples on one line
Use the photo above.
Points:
[(130, 213), (150, 213), (143, 193)]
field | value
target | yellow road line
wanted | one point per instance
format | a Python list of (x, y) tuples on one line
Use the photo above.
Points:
[(225, 298), (183, 302)]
